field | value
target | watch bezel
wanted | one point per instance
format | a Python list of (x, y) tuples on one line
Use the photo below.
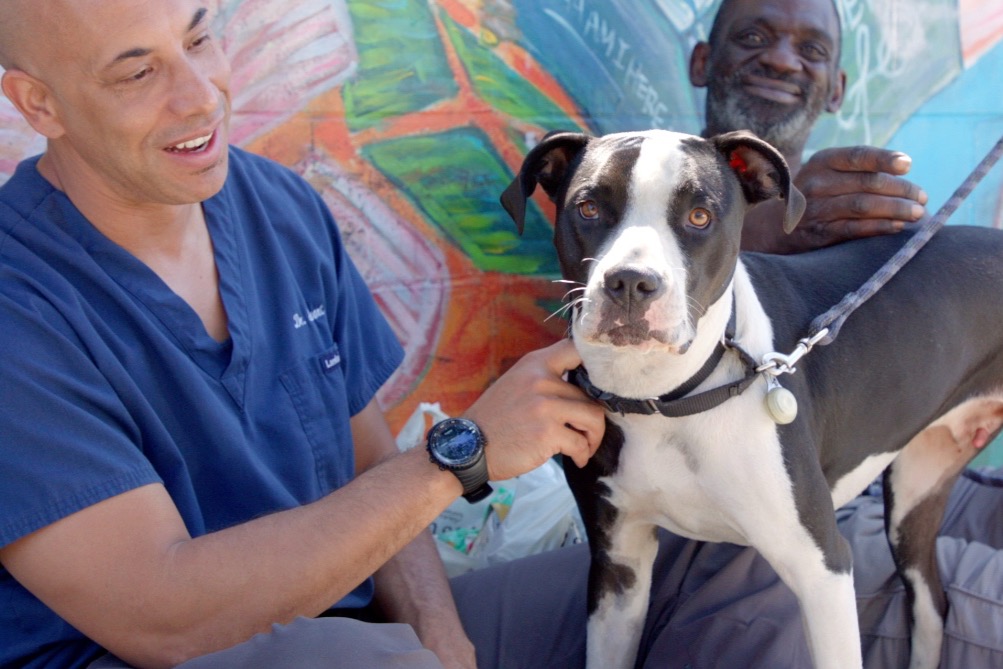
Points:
[(439, 438), (472, 468)]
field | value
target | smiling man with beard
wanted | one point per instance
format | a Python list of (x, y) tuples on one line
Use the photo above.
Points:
[(775, 71), (773, 68)]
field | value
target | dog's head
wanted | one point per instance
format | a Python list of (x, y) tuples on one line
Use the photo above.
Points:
[(650, 224)]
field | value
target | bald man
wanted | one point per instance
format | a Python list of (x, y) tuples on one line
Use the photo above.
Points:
[(185, 466)]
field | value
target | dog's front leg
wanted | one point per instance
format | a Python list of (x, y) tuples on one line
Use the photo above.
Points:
[(619, 586), (829, 609), (814, 560)]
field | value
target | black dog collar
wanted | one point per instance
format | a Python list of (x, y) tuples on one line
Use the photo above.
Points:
[(678, 402)]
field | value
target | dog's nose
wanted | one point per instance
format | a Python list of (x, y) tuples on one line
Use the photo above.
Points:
[(632, 286)]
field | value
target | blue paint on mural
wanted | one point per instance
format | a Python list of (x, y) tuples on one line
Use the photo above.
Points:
[(952, 132), (625, 64)]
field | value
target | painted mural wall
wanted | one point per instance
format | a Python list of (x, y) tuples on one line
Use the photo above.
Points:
[(411, 116)]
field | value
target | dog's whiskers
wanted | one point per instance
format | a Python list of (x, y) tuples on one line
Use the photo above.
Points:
[(699, 308), (566, 308)]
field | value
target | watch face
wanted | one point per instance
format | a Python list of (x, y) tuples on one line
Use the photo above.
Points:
[(456, 441)]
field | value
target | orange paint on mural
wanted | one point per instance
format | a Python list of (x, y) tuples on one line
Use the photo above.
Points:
[(493, 320), (981, 27)]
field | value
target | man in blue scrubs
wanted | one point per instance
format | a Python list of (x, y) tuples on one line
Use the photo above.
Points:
[(191, 449)]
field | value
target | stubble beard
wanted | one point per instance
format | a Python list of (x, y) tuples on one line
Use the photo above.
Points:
[(786, 128)]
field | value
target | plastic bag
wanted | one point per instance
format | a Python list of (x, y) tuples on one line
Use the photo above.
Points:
[(524, 515)]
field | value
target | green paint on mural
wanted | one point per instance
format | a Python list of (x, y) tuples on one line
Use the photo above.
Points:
[(501, 87), (455, 179), (402, 65)]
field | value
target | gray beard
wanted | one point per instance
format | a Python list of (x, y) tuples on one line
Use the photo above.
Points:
[(727, 111)]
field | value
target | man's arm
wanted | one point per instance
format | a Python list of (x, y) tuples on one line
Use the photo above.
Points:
[(851, 192), (412, 587), (127, 574)]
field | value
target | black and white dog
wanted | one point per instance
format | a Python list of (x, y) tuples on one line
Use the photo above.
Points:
[(648, 224)]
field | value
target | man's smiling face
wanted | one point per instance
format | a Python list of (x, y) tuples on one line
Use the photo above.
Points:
[(139, 93), (773, 68)]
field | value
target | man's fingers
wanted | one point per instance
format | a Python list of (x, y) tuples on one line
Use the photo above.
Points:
[(834, 232), (863, 206), (590, 423), (855, 228), (824, 184), (864, 159), (561, 356), (582, 444)]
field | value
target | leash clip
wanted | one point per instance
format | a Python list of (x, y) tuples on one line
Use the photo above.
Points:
[(776, 363)]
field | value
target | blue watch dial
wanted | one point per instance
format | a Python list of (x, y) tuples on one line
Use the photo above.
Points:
[(456, 442)]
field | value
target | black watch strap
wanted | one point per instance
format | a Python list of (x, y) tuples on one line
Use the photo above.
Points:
[(475, 480)]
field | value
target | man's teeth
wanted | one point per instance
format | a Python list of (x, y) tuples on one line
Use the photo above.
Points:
[(192, 144)]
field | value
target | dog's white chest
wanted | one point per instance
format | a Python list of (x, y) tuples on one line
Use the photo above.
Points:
[(702, 476)]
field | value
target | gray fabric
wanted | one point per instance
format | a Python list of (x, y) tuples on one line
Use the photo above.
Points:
[(321, 643), (715, 606), (971, 567)]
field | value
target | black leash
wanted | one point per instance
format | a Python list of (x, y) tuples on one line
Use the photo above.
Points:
[(824, 328), (833, 319)]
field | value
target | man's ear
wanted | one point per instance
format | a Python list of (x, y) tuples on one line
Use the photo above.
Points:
[(836, 92), (698, 64), (762, 172), (34, 100)]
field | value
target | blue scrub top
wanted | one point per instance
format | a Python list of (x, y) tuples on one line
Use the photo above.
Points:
[(109, 381)]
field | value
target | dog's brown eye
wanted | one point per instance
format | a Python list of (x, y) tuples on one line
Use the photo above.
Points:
[(588, 209), (699, 218)]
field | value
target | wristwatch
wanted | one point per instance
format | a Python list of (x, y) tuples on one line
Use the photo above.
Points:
[(457, 444)]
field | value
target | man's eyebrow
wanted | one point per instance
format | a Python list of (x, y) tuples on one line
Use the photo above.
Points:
[(139, 52), (197, 18), (131, 53)]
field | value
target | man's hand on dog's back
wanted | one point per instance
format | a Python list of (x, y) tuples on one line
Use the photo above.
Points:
[(852, 192)]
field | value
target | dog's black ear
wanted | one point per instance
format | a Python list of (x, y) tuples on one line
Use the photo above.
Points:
[(546, 164), (762, 171)]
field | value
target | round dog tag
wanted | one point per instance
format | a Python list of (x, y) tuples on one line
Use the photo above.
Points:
[(781, 405)]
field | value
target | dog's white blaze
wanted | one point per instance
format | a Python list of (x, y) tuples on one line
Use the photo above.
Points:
[(654, 179), (644, 237)]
